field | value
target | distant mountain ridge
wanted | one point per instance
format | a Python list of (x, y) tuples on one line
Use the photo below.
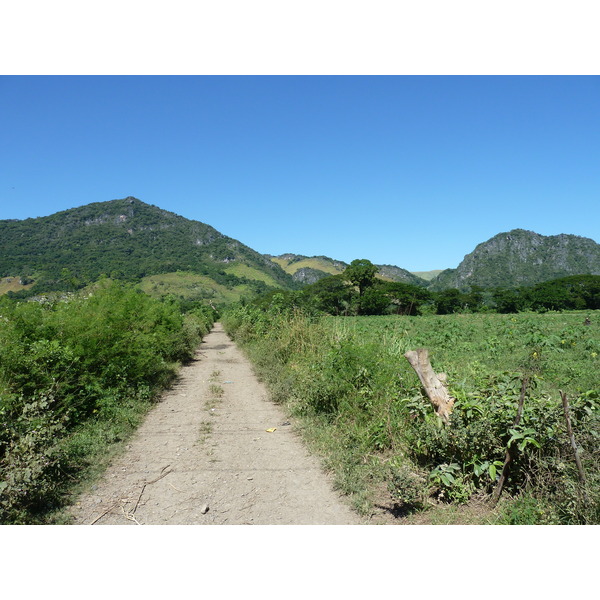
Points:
[(129, 239), (309, 269), (521, 258)]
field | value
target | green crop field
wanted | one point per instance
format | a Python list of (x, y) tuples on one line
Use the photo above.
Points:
[(364, 409), (557, 348)]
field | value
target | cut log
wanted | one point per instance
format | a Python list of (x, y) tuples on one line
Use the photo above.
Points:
[(432, 382)]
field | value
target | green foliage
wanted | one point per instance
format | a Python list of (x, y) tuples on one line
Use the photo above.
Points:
[(336, 295), (578, 292), (69, 365), (349, 376), (330, 295), (529, 510), (408, 489), (361, 273), (126, 240), (454, 301)]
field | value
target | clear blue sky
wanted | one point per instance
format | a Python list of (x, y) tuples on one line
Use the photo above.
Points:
[(413, 171)]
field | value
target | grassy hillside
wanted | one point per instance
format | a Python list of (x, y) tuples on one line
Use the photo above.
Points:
[(244, 270), (192, 286), (12, 284), (291, 263), (427, 275)]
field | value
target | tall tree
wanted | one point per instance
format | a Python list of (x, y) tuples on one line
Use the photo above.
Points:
[(361, 273)]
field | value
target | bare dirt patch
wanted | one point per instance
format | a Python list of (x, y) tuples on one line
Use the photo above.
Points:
[(215, 451)]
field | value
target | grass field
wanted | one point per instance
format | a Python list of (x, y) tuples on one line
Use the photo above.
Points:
[(556, 348)]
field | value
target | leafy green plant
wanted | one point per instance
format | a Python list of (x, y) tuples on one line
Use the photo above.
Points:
[(407, 488), (524, 438), (445, 475), (450, 483)]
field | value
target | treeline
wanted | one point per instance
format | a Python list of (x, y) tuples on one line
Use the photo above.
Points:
[(75, 376), (358, 291), (577, 292)]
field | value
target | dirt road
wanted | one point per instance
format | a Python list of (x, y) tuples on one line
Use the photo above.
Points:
[(205, 456)]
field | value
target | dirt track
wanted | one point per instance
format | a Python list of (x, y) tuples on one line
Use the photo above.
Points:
[(204, 459)]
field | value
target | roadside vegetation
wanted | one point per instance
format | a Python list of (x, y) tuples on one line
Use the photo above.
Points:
[(364, 410), (77, 374), (79, 369)]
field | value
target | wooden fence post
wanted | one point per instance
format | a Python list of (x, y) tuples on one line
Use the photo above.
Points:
[(432, 382), (565, 403)]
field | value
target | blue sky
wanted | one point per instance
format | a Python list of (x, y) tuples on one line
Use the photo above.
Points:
[(413, 171)]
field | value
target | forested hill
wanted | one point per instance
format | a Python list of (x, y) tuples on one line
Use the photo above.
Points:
[(522, 258), (127, 239)]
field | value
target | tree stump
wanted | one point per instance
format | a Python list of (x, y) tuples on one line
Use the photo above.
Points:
[(432, 382)]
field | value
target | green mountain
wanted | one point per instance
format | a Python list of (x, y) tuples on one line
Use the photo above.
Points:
[(522, 258), (166, 253), (128, 239), (305, 269)]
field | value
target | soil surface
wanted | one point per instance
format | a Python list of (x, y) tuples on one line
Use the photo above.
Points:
[(215, 451)]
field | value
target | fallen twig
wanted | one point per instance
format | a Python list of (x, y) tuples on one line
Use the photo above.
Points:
[(138, 500), (160, 476), (129, 516), (163, 474), (104, 513)]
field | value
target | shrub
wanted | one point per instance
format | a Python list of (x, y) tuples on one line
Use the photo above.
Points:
[(70, 364)]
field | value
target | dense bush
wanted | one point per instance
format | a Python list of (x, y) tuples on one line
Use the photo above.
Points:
[(577, 292), (71, 364)]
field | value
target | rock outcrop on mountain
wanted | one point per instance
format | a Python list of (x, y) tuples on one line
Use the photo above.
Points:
[(520, 258)]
